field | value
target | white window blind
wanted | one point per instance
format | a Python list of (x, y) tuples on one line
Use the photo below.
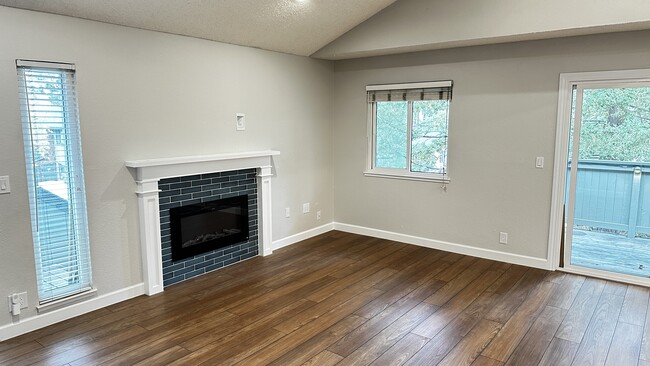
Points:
[(52, 141)]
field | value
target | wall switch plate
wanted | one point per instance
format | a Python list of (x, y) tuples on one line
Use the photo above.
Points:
[(503, 238), (287, 212), (539, 162), (305, 208), (5, 187), (241, 121)]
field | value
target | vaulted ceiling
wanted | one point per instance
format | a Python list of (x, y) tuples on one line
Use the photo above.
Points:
[(343, 29), (298, 27)]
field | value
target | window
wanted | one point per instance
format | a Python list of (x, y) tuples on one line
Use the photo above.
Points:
[(55, 178), (408, 130)]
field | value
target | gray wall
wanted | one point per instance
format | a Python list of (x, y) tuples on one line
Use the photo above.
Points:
[(503, 115), (418, 25), (147, 95)]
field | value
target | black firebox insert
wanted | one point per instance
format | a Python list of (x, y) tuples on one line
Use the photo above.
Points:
[(207, 226)]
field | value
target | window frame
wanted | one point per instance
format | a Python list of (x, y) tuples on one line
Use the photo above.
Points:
[(406, 173), (69, 140)]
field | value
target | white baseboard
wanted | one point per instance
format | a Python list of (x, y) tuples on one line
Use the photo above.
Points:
[(446, 246), (302, 236), (55, 316)]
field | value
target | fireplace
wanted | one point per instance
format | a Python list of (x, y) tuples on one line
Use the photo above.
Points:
[(206, 226), (162, 184), (207, 221)]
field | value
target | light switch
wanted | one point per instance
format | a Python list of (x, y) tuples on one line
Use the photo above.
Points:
[(5, 187), (539, 162), (241, 121)]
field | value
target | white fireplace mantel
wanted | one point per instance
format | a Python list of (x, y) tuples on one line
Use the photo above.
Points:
[(147, 174)]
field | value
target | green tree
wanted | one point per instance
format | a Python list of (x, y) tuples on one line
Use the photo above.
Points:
[(392, 127), (616, 124), (428, 135)]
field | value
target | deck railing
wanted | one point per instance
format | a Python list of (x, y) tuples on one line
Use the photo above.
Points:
[(613, 195)]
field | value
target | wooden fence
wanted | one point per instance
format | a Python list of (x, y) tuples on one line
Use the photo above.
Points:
[(613, 195)]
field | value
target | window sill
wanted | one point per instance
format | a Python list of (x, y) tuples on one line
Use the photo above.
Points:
[(57, 304), (422, 177)]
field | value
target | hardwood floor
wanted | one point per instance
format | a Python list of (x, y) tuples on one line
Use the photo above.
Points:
[(343, 299)]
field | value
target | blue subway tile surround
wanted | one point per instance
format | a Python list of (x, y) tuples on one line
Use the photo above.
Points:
[(183, 191)]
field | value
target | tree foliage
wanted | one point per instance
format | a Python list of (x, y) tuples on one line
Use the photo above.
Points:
[(391, 133), (616, 124), (428, 140)]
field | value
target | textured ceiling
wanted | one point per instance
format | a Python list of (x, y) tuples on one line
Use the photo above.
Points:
[(298, 27)]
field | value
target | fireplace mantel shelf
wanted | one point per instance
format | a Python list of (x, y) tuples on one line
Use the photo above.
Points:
[(155, 169), (199, 158), (149, 172)]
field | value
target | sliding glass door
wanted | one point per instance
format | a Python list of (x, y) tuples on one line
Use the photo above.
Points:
[(607, 200)]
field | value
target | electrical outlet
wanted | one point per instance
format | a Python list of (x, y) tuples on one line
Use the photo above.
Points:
[(287, 212), (20, 298), (503, 238), (305, 208), (318, 215)]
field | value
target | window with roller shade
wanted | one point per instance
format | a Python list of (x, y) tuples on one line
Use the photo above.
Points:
[(52, 141), (408, 130)]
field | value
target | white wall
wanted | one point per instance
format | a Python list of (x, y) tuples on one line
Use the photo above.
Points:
[(417, 25), (147, 95), (503, 115)]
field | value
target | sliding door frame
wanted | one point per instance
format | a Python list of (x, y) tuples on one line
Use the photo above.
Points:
[(565, 96)]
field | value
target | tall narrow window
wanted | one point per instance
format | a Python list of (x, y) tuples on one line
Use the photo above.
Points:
[(55, 178), (408, 130)]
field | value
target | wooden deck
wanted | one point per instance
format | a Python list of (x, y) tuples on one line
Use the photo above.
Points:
[(351, 300), (609, 252)]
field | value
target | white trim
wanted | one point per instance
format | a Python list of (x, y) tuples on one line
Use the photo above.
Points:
[(567, 80), (559, 170), (606, 275), (405, 173), (370, 135), (423, 177), (45, 64), (600, 76), (421, 85), (445, 246), (55, 316), (199, 158), (151, 169), (265, 216), (66, 301), (295, 238), (150, 239)]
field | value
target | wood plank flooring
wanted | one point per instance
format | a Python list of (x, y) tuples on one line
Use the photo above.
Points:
[(344, 299)]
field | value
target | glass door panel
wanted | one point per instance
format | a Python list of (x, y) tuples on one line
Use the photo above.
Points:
[(608, 183)]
